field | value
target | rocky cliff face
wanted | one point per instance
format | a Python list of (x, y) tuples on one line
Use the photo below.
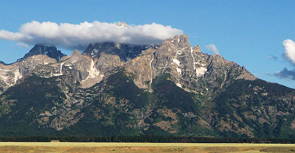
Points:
[(188, 67), (40, 49), (124, 51), (120, 89)]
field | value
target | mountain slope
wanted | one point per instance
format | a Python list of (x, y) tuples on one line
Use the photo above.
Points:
[(171, 89)]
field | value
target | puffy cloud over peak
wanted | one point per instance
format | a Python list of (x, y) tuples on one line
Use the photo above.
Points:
[(75, 36)]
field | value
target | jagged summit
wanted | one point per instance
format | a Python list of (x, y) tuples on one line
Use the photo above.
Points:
[(129, 51), (179, 41), (124, 51), (43, 49)]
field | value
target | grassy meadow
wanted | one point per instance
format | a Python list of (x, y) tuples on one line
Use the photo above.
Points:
[(65, 147)]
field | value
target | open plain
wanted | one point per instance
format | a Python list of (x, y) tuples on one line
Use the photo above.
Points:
[(65, 147)]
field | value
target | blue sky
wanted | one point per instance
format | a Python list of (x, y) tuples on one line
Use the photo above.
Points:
[(248, 32)]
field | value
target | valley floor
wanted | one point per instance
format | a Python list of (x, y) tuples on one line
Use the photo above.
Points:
[(65, 147)]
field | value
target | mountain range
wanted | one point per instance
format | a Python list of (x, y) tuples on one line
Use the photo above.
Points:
[(116, 89)]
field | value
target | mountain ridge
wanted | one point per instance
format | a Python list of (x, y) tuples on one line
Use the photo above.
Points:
[(172, 89)]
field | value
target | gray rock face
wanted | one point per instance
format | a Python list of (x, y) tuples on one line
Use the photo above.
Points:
[(188, 67), (124, 51), (40, 49)]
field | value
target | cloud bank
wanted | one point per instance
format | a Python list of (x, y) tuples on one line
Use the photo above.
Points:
[(77, 36), (213, 48)]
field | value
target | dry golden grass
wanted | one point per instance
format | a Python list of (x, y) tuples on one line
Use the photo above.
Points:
[(60, 147)]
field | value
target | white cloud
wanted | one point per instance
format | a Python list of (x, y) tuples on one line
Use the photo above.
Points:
[(290, 49), (10, 35), (75, 36), (213, 48)]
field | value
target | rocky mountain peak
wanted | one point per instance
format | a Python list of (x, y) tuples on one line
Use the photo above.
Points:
[(42, 49), (124, 51), (179, 41)]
